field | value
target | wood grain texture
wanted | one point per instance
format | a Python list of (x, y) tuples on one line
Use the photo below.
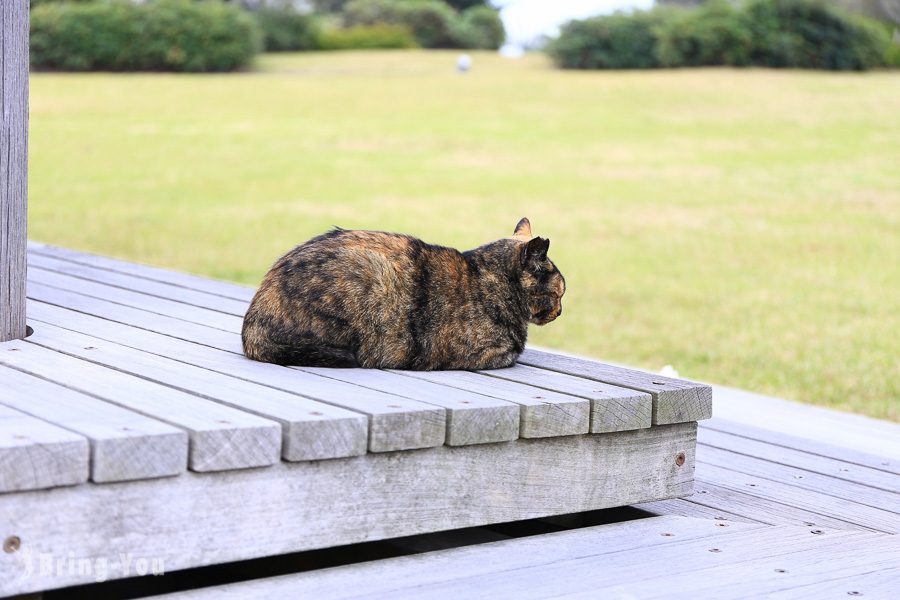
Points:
[(135, 318), (405, 574), (13, 166), (310, 430), (789, 457), (880, 583), (612, 408), (221, 437), (297, 506), (35, 454), (394, 423), (543, 413), (184, 280), (887, 464), (585, 571), (763, 509), (139, 284), (674, 400), (735, 573), (807, 480), (471, 418), (125, 297), (816, 501), (125, 445)]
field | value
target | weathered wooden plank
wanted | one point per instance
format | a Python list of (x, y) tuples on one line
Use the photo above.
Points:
[(613, 408), (542, 413), (471, 418), (799, 459), (881, 463), (394, 423), (709, 493), (134, 317), (738, 576), (211, 286), (139, 284), (153, 304), (674, 400), (404, 574), (13, 166), (560, 569), (809, 422), (310, 430), (852, 512), (847, 490), (125, 445), (572, 574), (367, 498), (682, 507), (35, 454), (221, 438), (881, 583)]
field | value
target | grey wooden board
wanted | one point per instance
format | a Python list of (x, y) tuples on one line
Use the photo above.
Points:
[(612, 408), (708, 492), (404, 575), (888, 464), (882, 583), (799, 459), (303, 505), (134, 317), (838, 488), (586, 572), (681, 507), (733, 573), (394, 423), (220, 437), (125, 445), (310, 430), (471, 418), (674, 400), (211, 286), (139, 284), (542, 413), (154, 304), (852, 512), (13, 166), (35, 454)]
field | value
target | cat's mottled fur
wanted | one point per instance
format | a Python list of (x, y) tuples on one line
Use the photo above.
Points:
[(385, 300)]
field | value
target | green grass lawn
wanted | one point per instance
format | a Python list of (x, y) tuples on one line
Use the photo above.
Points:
[(743, 226)]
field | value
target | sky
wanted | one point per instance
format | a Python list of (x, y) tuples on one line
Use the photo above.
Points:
[(526, 20)]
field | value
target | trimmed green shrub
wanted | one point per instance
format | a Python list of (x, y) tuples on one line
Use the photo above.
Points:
[(617, 41), (812, 34), (164, 35), (809, 34), (284, 29), (479, 27), (431, 21), (714, 34), (365, 37)]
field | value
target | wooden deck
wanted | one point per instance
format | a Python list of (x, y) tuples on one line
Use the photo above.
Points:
[(772, 513)]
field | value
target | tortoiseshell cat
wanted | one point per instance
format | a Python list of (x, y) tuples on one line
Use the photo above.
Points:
[(385, 300)]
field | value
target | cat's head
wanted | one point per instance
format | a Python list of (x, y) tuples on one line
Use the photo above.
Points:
[(539, 277)]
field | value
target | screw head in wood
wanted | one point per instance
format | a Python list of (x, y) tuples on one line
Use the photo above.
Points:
[(679, 459), (816, 531), (11, 544)]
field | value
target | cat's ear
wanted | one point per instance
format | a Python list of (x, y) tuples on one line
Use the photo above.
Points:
[(523, 228), (534, 251)]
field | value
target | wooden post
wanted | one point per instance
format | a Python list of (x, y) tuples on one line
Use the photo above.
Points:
[(13, 165)]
